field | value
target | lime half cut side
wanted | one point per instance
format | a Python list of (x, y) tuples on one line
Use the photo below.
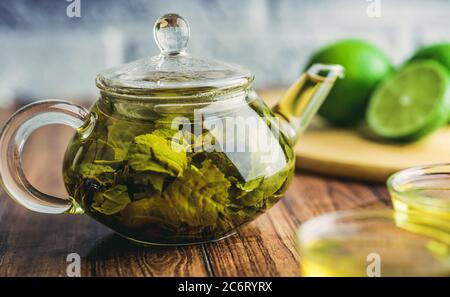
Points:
[(412, 103)]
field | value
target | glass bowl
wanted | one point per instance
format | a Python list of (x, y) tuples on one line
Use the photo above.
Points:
[(424, 190), (374, 243)]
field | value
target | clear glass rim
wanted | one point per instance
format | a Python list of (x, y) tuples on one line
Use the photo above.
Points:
[(168, 94), (226, 102), (405, 176), (327, 221)]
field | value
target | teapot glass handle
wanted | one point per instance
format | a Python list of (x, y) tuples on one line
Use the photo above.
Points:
[(12, 141)]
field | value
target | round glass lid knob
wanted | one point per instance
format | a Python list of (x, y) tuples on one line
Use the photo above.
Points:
[(171, 33)]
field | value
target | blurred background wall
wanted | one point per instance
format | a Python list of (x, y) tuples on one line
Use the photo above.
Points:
[(46, 54)]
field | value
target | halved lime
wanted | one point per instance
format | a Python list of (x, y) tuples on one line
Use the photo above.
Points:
[(412, 103)]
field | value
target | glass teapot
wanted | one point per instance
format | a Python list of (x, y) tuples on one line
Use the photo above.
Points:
[(176, 150)]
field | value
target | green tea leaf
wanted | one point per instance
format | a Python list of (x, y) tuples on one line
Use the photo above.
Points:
[(221, 160), (147, 211), (102, 174), (165, 133), (111, 201), (197, 198), (250, 185), (217, 183), (151, 152), (186, 139), (150, 179), (121, 134), (266, 188)]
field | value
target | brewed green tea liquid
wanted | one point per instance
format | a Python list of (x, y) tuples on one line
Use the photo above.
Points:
[(400, 253), (427, 196), (130, 176)]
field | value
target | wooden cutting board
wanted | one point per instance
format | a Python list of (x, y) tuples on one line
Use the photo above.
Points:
[(348, 153)]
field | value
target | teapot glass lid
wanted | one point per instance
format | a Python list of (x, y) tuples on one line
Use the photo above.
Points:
[(173, 72)]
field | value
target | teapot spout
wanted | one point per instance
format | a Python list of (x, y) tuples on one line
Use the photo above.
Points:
[(303, 99)]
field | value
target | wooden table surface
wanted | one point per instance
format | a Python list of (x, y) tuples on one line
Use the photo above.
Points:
[(33, 244)]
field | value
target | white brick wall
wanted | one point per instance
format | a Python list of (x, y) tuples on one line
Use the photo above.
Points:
[(53, 56)]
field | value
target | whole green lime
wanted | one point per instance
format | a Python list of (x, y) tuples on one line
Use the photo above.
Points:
[(365, 66), (440, 52)]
